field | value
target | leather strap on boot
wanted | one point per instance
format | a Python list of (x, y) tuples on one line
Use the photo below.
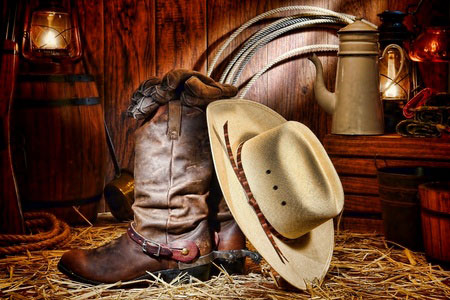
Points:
[(181, 250), (174, 122)]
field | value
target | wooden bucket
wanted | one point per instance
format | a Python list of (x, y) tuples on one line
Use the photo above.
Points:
[(59, 145), (398, 189), (435, 212)]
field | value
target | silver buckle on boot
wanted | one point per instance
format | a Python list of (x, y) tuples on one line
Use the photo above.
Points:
[(144, 244), (144, 248)]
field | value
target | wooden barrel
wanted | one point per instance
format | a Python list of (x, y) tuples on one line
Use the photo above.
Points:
[(59, 144), (435, 213), (398, 189)]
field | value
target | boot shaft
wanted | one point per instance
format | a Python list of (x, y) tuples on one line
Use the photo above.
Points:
[(172, 173)]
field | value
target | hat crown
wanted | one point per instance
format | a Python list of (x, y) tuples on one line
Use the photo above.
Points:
[(289, 178)]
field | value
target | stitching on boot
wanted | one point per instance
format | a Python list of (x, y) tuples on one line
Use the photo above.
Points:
[(169, 189)]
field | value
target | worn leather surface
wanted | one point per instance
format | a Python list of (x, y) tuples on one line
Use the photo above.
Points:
[(191, 87), (230, 236), (172, 179), (185, 251), (121, 260), (227, 234)]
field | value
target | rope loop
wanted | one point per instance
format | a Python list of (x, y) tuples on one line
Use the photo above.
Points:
[(57, 233), (303, 17)]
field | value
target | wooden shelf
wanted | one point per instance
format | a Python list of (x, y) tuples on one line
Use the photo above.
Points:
[(388, 146), (357, 158)]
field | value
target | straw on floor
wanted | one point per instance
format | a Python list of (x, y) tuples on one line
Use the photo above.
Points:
[(364, 266)]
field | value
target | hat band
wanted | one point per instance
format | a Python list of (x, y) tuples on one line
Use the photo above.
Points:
[(239, 171)]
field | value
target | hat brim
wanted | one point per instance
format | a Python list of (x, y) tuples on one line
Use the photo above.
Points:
[(308, 257)]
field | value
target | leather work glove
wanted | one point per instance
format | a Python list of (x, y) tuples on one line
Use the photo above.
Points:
[(191, 87), (200, 90)]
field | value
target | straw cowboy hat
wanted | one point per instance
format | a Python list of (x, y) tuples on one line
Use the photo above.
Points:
[(279, 184)]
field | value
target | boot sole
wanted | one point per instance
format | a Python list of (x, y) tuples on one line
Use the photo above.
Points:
[(202, 273)]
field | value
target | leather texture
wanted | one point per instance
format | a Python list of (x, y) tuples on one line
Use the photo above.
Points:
[(191, 87), (172, 179), (181, 250), (173, 172), (120, 260), (227, 234)]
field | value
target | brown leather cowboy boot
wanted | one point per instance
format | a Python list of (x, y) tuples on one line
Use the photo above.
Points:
[(173, 170), (227, 234)]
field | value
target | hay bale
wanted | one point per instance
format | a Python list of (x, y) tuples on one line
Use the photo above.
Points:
[(364, 266)]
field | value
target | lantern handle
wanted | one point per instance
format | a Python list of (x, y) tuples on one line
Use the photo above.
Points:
[(402, 64)]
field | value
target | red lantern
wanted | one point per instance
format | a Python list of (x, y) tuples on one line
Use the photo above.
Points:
[(432, 45)]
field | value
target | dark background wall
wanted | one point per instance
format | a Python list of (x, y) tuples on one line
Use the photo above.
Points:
[(126, 41)]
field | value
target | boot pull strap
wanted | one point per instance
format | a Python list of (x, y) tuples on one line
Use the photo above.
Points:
[(181, 250), (174, 122)]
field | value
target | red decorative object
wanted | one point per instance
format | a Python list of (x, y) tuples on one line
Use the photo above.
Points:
[(432, 45)]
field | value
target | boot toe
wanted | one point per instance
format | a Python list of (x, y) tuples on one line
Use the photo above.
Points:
[(71, 264), (119, 260)]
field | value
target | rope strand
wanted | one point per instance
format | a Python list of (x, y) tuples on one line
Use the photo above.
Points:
[(303, 8), (59, 232), (242, 62), (289, 54)]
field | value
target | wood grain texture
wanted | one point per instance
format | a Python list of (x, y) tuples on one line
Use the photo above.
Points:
[(356, 159), (435, 202), (60, 147), (11, 218), (360, 185), (368, 167), (223, 19), (286, 88), (362, 225), (362, 203), (129, 59), (290, 85), (91, 22), (388, 146), (180, 35), (126, 41)]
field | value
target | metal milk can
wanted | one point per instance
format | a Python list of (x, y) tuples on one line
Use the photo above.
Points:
[(356, 103)]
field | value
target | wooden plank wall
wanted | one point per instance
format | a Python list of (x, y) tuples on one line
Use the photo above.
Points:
[(126, 41)]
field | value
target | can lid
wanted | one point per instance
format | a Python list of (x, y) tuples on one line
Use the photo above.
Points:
[(392, 15), (358, 26)]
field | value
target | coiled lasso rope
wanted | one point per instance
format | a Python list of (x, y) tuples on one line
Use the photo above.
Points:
[(277, 26), (240, 64), (303, 8), (287, 55), (309, 16), (58, 233)]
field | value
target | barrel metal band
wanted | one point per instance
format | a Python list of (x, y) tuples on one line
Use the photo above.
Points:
[(9, 51), (435, 213), (55, 78), (27, 204), (33, 103)]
